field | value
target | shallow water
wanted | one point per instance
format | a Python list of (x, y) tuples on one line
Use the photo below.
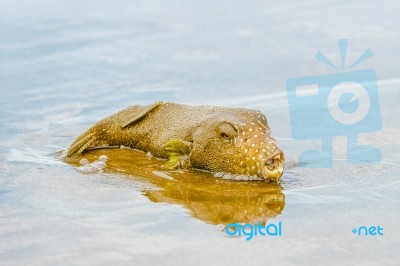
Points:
[(198, 192), (64, 67)]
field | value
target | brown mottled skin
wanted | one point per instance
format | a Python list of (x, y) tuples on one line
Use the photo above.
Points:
[(213, 138)]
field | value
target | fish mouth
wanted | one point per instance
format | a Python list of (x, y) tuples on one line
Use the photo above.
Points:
[(273, 168)]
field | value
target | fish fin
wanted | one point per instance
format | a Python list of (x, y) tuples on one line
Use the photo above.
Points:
[(87, 140), (138, 113), (178, 152)]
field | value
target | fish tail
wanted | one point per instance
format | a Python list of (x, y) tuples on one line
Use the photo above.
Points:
[(91, 138), (81, 143)]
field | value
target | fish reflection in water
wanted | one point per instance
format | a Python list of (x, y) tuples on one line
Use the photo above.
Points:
[(208, 198)]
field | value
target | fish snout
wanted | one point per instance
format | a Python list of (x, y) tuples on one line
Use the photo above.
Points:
[(273, 166)]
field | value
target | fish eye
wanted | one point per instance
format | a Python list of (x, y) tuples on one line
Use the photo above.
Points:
[(225, 136), (227, 131)]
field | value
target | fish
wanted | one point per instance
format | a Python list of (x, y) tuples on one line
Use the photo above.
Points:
[(221, 140)]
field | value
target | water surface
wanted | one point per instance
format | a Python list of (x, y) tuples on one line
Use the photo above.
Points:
[(65, 66)]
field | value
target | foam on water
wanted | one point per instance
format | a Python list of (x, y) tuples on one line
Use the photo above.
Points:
[(229, 176), (96, 166), (163, 175), (32, 155)]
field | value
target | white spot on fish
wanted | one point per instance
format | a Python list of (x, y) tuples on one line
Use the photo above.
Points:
[(250, 129), (252, 145), (254, 158)]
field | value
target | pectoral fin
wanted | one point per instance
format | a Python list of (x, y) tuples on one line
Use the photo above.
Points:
[(178, 152), (137, 114)]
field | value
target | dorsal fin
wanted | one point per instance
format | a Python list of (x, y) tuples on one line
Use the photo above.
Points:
[(138, 114)]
